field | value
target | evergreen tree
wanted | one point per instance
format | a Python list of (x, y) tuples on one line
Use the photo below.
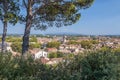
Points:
[(9, 10), (42, 14)]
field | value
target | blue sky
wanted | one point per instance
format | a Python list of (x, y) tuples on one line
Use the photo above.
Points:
[(103, 17)]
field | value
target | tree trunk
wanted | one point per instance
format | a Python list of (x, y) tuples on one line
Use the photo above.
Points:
[(5, 6), (25, 45), (4, 36)]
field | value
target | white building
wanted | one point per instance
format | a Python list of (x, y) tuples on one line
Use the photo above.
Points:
[(7, 46), (41, 54)]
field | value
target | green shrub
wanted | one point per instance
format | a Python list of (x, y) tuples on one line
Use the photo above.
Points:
[(101, 66), (16, 46), (53, 44), (73, 42), (94, 41), (34, 45), (17, 68), (55, 55), (0, 39), (33, 39), (93, 66), (86, 44), (13, 39)]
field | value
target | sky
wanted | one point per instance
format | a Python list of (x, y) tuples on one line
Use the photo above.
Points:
[(102, 18)]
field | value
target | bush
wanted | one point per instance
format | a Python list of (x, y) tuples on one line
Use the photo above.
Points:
[(73, 42), (33, 39), (0, 39), (55, 55), (53, 44), (94, 41), (16, 46), (93, 66), (17, 68), (34, 45), (14, 39), (100, 66), (86, 44)]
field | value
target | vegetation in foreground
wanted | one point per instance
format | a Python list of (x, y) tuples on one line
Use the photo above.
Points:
[(90, 66)]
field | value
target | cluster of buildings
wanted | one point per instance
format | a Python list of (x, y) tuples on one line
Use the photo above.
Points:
[(73, 48), (65, 48)]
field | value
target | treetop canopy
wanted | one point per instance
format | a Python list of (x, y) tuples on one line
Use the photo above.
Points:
[(49, 13)]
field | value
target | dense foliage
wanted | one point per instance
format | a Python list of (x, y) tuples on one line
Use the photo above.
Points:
[(33, 39), (86, 44), (73, 42), (54, 44), (89, 66), (9, 10), (0, 39), (101, 66), (17, 46), (94, 41), (55, 55), (13, 39), (34, 45), (19, 39), (17, 43)]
